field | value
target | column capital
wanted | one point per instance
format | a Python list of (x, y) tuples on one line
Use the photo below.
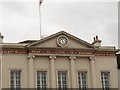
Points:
[(31, 56), (92, 58), (72, 57), (52, 57)]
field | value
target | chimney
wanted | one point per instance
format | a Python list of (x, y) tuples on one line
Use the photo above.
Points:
[(1, 38), (96, 41)]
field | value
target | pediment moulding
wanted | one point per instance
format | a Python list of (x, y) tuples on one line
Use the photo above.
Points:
[(62, 40)]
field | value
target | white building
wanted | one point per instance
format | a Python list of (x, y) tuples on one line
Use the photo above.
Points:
[(60, 60)]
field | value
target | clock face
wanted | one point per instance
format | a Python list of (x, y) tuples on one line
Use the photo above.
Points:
[(62, 41)]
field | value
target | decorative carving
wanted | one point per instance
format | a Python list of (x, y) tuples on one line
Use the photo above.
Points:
[(31, 57), (72, 57), (52, 57), (92, 58)]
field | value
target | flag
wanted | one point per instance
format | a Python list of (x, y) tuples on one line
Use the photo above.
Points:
[(40, 1)]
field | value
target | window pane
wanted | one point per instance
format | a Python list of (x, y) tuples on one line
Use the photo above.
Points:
[(82, 80), (62, 80), (15, 78), (105, 80), (41, 79)]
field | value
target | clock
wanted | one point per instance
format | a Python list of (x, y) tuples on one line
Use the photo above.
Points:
[(62, 41)]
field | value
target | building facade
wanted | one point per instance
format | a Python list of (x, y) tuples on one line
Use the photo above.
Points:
[(60, 61)]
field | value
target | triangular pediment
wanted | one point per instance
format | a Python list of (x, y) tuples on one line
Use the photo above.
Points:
[(61, 39)]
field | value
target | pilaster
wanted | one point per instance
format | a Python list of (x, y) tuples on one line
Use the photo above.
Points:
[(72, 71), (31, 71), (52, 71), (93, 72)]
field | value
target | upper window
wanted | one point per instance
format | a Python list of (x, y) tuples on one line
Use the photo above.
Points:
[(15, 76), (62, 80), (82, 80), (105, 77), (41, 79)]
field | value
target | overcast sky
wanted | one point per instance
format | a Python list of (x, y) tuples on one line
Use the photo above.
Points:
[(19, 19)]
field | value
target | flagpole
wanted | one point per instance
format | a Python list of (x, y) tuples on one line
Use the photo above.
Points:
[(40, 20), (40, 1)]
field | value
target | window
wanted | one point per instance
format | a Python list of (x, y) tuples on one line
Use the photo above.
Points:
[(41, 79), (82, 80), (105, 77), (62, 80), (15, 76)]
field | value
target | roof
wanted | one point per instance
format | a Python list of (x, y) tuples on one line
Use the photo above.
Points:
[(28, 41)]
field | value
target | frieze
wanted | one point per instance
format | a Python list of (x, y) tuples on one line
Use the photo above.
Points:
[(75, 52), (60, 52), (104, 54), (13, 52)]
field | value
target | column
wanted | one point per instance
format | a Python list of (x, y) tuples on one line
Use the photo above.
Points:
[(93, 72), (52, 72), (31, 71), (72, 71)]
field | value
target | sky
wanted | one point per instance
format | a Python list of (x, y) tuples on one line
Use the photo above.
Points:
[(20, 19)]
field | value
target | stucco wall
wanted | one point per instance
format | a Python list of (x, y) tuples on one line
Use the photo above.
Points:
[(20, 61), (83, 64), (107, 63), (41, 64), (15, 62)]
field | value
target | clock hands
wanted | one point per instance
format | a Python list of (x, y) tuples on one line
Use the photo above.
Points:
[(62, 41)]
